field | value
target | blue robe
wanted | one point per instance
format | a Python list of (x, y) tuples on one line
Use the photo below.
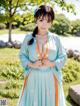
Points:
[(39, 87)]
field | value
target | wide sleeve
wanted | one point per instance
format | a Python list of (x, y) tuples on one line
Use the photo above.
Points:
[(61, 55), (23, 55)]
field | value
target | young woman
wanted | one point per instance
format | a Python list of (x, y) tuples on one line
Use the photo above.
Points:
[(42, 56)]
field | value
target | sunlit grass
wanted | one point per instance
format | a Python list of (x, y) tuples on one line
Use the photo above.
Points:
[(14, 31), (11, 72)]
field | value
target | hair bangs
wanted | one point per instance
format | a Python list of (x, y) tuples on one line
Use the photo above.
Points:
[(44, 11)]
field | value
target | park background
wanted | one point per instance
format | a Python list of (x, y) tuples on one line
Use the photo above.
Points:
[(16, 21)]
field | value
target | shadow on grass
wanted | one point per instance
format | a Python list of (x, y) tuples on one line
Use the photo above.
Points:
[(68, 98)]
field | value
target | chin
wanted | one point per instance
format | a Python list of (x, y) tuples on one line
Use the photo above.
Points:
[(44, 30)]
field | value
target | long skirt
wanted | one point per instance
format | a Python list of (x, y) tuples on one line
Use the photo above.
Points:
[(41, 88)]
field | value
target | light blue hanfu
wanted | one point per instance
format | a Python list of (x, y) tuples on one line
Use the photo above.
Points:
[(39, 89)]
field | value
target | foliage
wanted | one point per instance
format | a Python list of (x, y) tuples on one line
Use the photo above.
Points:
[(75, 26), (10, 69), (2, 26), (61, 25), (27, 18), (71, 71), (10, 8), (28, 27)]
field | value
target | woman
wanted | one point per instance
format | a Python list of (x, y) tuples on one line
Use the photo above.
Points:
[(42, 56)]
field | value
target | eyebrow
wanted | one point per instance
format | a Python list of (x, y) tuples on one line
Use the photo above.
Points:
[(46, 17), (43, 18)]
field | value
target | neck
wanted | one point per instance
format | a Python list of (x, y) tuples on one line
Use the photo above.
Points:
[(42, 33)]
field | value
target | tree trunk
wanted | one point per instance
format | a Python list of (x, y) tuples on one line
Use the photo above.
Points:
[(10, 29)]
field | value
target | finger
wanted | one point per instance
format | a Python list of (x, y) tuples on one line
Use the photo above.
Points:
[(39, 61)]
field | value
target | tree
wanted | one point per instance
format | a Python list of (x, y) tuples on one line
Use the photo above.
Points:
[(75, 26), (27, 18), (61, 24), (10, 7)]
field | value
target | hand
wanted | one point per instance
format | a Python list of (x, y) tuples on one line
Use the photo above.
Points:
[(36, 64), (46, 62)]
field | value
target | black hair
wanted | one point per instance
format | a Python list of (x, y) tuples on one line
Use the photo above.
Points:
[(43, 10), (35, 31)]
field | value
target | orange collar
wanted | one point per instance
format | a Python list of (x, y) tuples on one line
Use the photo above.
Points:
[(41, 55)]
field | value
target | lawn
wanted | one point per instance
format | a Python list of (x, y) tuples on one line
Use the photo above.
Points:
[(14, 31), (11, 74)]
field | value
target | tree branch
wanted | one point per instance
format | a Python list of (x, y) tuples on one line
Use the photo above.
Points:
[(15, 7)]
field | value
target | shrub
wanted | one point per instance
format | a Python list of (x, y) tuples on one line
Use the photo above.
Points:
[(28, 27), (2, 26), (71, 71)]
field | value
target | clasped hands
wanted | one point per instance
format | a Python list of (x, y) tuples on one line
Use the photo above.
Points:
[(42, 63)]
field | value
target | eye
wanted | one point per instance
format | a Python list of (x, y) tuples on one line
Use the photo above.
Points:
[(41, 20), (47, 21)]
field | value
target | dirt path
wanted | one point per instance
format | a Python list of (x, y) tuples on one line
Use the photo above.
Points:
[(67, 42)]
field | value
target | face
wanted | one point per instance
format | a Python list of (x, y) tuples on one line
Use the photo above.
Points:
[(43, 24)]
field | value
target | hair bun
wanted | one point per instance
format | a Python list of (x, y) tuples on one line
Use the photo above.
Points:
[(36, 10)]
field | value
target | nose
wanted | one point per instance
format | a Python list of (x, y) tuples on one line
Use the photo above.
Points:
[(44, 21)]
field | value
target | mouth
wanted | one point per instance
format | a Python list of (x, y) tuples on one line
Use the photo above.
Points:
[(43, 28)]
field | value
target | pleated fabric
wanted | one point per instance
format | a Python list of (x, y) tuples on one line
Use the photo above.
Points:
[(41, 88)]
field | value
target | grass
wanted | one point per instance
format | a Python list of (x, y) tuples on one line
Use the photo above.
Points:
[(11, 94), (11, 89), (14, 31), (9, 65), (69, 101)]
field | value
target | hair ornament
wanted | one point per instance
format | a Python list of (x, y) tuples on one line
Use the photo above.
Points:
[(36, 10)]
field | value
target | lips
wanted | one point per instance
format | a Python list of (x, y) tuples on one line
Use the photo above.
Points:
[(43, 28)]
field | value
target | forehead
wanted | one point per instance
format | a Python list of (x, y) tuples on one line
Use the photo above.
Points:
[(43, 17)]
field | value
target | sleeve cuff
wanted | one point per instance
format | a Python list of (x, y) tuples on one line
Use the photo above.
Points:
[(26, 73)]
